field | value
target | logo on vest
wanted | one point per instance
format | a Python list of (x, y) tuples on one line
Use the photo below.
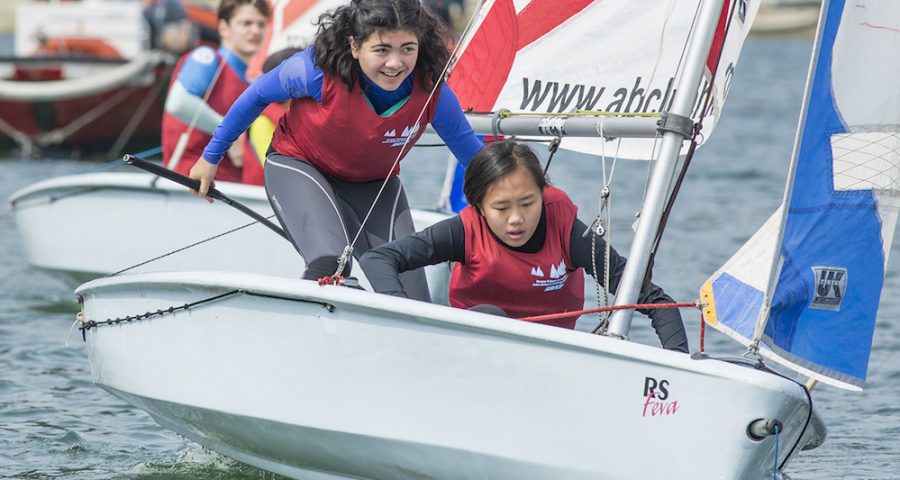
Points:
[(391, 138), (830, 285), (557, 279)]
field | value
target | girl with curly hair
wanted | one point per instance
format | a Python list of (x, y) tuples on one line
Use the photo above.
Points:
[(360, 97)]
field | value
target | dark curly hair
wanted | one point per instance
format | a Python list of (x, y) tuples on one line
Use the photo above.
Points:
[(361, 18)]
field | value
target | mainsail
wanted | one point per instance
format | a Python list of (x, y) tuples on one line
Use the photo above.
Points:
[(813, 307), (621, 56)]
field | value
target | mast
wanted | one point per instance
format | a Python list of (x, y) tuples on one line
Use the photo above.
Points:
[(676, 129)]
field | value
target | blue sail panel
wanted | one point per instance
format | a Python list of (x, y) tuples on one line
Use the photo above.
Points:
[(738, 318), (840, 209), (823, 308)]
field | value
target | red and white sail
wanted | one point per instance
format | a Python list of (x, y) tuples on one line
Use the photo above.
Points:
[(560, 56)]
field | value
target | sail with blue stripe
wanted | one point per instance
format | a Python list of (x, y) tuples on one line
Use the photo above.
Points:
[(814, 306)]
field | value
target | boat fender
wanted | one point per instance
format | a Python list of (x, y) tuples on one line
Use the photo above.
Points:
[(763, 427)]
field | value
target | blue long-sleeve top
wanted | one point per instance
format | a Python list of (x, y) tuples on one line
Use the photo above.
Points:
[(299, 77)]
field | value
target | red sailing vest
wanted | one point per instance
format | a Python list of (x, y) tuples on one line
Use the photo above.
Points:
[(227, 88), (344, 137), (253, 172), (522, 284)]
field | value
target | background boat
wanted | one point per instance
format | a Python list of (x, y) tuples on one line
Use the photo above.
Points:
[(82, 78), (61, 218)]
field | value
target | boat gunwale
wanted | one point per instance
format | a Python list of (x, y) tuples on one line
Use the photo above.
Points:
[(403, 309)]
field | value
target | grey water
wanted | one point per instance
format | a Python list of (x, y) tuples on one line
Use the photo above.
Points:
[(55, 424)]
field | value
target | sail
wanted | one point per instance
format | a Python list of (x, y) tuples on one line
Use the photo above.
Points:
[(843, 197), (611, 55), (291, 26)]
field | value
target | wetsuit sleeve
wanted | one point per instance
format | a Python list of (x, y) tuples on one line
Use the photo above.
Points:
[(442, 242), (186, 106), (185, 98), (665, 321), (198, 70), (451, 125), (296, 77)]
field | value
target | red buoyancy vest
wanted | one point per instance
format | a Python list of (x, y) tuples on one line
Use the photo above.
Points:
[(344, 137), (253, 172), (227, 88), (522, 284)]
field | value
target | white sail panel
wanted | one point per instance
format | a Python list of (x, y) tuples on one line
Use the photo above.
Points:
[(612, 55), (864, 59), (746, 276)]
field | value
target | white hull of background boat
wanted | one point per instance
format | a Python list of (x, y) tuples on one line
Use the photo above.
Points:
[(331, 382), (85, 226)]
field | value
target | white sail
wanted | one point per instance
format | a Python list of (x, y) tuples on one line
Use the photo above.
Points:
[(614, 55)]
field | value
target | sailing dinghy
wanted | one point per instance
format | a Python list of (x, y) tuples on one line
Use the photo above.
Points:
[(328, 382), (130, 222)]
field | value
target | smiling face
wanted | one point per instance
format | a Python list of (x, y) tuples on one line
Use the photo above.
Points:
[(243, 34), (387, 58), (512, 207)]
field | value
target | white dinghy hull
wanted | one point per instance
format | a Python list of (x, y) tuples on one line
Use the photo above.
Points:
[(331, 382), (81, 227)]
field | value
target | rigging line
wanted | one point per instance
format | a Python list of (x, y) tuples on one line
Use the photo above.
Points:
[(486, 141), (662, 36), (87, 325), (603, 201), (676, 188), (140, 113), (605, 207), (553, 147), (59, 134), (762, 366), (611, 308), (181, 249), (348, 250)]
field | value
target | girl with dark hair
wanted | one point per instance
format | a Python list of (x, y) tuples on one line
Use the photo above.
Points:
[(360, 97), (518, 247)]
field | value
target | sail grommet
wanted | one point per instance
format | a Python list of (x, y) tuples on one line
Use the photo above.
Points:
[(674, 123)]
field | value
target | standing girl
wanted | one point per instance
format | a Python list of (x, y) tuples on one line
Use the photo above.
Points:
[(360, 97), (518, 246)]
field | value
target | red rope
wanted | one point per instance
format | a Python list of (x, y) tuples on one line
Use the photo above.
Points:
[(331, 280), (702, 331), (635, 306)]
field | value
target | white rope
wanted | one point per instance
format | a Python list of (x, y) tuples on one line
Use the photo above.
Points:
[(605, 206), (451, 60)]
